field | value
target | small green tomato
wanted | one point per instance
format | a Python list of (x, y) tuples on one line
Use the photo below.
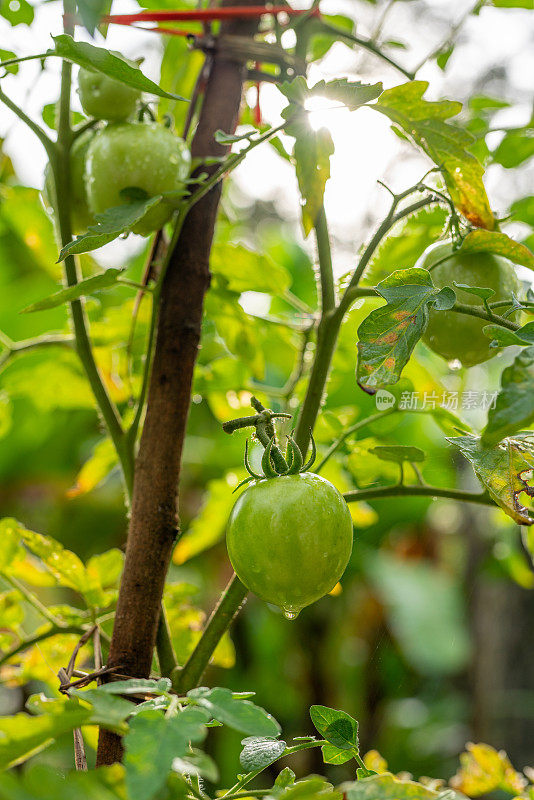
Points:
[(459, 336), (105, 98), (136, 156), (289, 539)]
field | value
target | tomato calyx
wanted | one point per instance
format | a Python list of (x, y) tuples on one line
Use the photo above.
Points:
[(274, 463)]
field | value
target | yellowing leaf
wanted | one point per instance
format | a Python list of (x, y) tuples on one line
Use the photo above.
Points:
[(484, 770)]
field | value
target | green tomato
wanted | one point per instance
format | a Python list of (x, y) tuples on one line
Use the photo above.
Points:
[(105, 98), (136, 156), (459, 336), (289, 539), (81, 216)]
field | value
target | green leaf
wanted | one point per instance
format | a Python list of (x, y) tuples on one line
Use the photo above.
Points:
[(153, 742), (242, 715), (523, 210), (477, 291), (425, 610), (514, 407), (387, 337), (500, 244), (353, 94), (312, 788), (50, 116), (337, 727), (388, 787), (528, 4), (197, 763), (335, 755), (503, 470), (285, 778), (260, 751), (504, 337), (311, 153), (516, 148), (107, 710), (22, 735), (247, 270), (7, 55), (91, 12), (425, 123), (82, 289), (114, 65), (110, 225), (398, 453), (19, 13), (312, 148), (158, 686)]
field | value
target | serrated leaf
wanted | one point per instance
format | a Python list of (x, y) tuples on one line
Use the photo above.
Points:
[(387, 337), (337, 727), (82, 289), (114, 65), (500, 244), (398, 453), (260, 751), (425, 123), (107, 710), (514, 407), (504, 470), (110, 225), (353, 94), (242, 715)]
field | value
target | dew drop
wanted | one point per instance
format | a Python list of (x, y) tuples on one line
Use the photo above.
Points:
[(290, 614)]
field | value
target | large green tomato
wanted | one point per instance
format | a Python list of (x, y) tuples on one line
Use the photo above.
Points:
[(459, 336), (81, 216), (289, 539), (105, 98), (136, 156)]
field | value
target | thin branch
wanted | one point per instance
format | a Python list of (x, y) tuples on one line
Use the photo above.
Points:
[(47, 143), (353, 428), (403, 490), (33, 600), (369, 45), (54, 630)]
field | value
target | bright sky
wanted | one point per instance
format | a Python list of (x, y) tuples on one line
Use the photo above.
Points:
[(495, 54)]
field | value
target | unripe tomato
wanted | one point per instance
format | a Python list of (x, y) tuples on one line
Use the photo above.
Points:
[(289, 539), (459, 336), (105, 98), (81, 216), (136, 156)]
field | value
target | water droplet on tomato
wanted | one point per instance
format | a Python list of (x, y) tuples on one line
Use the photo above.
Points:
[(288, 614)]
